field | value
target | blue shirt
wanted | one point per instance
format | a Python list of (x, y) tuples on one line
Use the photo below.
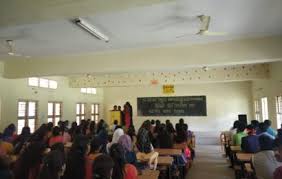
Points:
[(250, 144), (271, 131)]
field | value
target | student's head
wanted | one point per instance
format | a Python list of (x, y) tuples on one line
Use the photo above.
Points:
[(95, 145), (158, 122), (267, 123), (25, 131), (181, 121), (167, 121), (53, 166), (146, 125), (115, 107), (265, 142), (241, 127), (262, 127), (251, 130), (103, 167), (115, 122), (56, 131), (50, 126), (92, 127), (255, 123), (41, 134), (73, 125), (118, 155), (119, 108), (80, 144), (235, 124), (131, 131), (126, 142), (152, 122)]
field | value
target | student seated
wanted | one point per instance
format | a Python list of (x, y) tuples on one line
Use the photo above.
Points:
[(237, 138), (28, 164), (5, 172), (264, 161), (164, 138), (145, 147), (103, 167), (9, 134), (263, 131), (130, 155), (250, 143), (114, 125), (118, 132), (53, 166), (181, 134), (95, 151), (121, 170), (21, 140), (56, 137), (76, 158), (269, 129)]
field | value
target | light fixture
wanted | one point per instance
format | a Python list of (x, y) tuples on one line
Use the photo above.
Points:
[(91, 29)]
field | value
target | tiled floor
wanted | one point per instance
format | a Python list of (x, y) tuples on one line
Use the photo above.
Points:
[(209, 164)]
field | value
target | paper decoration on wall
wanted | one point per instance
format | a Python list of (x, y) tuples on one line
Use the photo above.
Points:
[(154, 82), (168, 89)]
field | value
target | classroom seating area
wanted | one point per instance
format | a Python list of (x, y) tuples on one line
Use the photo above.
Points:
[(253, 151), (91, 150)]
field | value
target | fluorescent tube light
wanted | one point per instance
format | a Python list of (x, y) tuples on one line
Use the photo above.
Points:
[(91, 29)]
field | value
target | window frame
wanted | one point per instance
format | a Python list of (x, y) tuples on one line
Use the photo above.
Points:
[(26, 117), (278, 100), (54, 116), (39, 81), (257, 110), (93, 113), (264, 108), (79, 116), (92, 91)]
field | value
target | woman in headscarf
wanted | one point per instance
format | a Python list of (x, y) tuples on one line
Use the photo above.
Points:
[(130, 155), (118, 132)]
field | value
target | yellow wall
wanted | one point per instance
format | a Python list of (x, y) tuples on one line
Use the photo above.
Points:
[(224, 102), (270, 88), (13, 90)]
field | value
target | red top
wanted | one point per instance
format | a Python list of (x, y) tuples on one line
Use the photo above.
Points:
[(130, 172), (56, 139), (88, 165)]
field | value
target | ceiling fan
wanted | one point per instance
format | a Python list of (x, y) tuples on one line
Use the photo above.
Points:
[(10, 44)]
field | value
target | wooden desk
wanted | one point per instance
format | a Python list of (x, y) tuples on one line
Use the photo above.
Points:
[(168, 151), (244, 157), (180, 146), (149, 174), (235, 148), (166, 161)]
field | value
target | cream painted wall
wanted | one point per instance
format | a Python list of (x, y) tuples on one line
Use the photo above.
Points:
[(13, 90), (224, 102), (270, 88)]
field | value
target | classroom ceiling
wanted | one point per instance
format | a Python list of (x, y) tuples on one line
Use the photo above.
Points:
[(45, 29)]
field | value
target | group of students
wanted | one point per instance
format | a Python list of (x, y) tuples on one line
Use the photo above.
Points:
[(46, 153), (264, 142)]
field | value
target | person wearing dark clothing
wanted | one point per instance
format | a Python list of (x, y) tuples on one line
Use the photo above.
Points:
[(250, 143), (164, 138)]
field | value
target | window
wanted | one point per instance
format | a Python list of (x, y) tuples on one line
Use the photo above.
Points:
[(80, 112), (27, 115), (257, 111), (54, 112), (88, 90), (95, 112), (279, 110), (43, 83), (264, 107)]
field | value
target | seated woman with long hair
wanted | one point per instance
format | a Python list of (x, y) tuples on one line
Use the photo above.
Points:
[(122, 170), (103, 167), (145, 147), (95, 151), (53, 165), (76, 158), (56, 136)]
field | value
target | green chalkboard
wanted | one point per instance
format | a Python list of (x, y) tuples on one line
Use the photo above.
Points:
[(172, 106)]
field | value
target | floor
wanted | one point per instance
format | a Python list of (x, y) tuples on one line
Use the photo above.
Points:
[(209, 164)]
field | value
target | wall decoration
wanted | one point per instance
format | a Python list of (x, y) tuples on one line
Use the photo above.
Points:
[(187, 76), (168, 89)]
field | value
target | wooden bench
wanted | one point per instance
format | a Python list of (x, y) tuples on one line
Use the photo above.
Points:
[(244, 157), (168, 152), (149, 174)]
